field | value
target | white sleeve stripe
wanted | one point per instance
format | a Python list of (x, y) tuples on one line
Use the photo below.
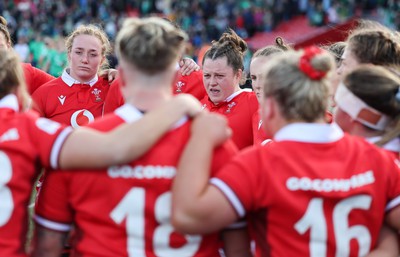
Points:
[(234, 200), (128, 113), (236, 225), (393, 203), (51, 224), (55, 150)]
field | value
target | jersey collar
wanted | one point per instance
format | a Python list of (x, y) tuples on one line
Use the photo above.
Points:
[(229, 98), (9, 101), (70, 80), (393, 145), (309, 133), (130, 114)]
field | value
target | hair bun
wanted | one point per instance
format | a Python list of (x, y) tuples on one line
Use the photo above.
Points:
[(3, 21), (234, 40), (306, 66)]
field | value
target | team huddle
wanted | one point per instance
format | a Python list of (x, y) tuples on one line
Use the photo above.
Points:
[(159, 158)]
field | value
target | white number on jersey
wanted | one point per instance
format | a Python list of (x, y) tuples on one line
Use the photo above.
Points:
[(314, 219), (6, 202), (132, 207)]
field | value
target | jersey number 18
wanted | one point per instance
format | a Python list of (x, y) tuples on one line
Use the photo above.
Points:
[(132, 207)]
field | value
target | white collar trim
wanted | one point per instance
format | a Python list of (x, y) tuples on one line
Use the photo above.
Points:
[(70, 80), (229, 98), (393, 145), (309, 133), (9, 101), (129, 113)]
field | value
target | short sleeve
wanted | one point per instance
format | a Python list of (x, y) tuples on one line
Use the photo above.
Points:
[(48, 137), (240, 180), (52, 208)]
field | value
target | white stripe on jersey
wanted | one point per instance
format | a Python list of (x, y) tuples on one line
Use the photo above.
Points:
[(51, 224), (230, 195), (55, 150), (393, 203)]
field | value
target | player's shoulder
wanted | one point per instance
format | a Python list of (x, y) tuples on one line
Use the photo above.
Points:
[(52, 85), (360, 145), (246, 96), (103, 82), (250, 155), (31, 123), (27, 67), (107, 122)]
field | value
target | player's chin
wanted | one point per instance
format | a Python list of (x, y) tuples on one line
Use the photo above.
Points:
[(215, 99), (86, 74)]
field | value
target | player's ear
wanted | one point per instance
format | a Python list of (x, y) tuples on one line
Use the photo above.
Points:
[(267, 108)]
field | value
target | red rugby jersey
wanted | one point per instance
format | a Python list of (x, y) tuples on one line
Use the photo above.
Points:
[(327, 199), (125, 210), (68, 102), (35, 77), (27, 142), (189, 84), (239, 109), (259, 135)]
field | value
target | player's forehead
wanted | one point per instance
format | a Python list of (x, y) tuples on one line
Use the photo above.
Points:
[(87, 42)]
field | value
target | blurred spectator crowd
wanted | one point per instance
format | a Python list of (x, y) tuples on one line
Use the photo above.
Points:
[(39, 26)]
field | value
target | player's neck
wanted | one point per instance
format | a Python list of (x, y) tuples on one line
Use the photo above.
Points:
[(148, 91), (147, 98)]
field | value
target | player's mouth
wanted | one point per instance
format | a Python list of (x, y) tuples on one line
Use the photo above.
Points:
[(83, 68), (214, 91)]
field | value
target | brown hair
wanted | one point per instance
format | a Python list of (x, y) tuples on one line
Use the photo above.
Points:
[(95, 31), (280, 46), (336, 49), (150, 44), (300, 97), (378, 47), (378, 88), (231, 46), (12, 78), (4, 30)]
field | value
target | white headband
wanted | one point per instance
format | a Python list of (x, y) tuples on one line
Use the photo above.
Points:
[(358, 110)]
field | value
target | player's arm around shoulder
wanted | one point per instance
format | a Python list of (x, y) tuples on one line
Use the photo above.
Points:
[(197, 206), (87, 148)]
